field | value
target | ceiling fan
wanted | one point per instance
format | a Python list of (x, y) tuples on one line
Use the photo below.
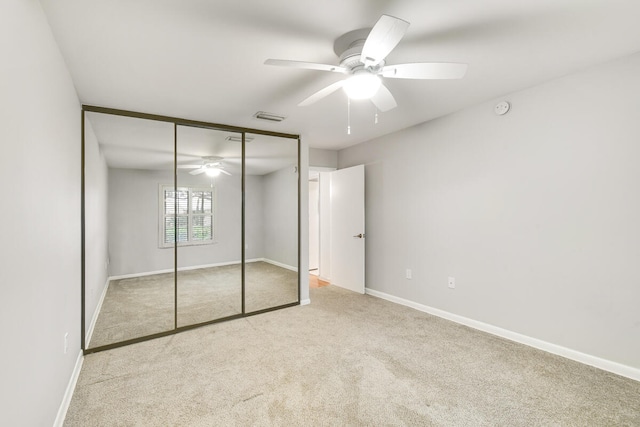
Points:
[(211, 165), (362, 56)]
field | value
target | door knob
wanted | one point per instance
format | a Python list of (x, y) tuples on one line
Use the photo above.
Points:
[(359, 236)]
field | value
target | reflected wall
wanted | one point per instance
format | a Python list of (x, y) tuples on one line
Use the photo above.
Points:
[(272, 278)]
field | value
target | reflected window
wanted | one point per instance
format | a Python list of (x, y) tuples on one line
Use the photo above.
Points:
[(186, 216)]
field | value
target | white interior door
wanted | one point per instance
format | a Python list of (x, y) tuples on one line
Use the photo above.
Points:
[(347, 228)]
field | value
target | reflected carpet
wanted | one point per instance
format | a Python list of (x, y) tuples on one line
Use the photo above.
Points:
[(140, 306)]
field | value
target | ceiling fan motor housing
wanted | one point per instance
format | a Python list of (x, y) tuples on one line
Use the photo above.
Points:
[(349, 46), (350, 58)]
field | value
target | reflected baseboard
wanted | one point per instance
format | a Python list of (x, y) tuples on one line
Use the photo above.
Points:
[(197, 267), (279, 264), (191, 267), (96, 313)]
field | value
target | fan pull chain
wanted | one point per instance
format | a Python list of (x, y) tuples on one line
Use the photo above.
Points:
[(348, 116), (375, 119)]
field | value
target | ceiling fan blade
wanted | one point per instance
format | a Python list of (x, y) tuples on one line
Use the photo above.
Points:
[(189, 166), (306, 65), (425, 70), (383, 99), (197, 171), (224, 171), (384, 36), (322, 93)]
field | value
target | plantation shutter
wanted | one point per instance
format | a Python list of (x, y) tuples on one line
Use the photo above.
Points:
[(202, 215), (192, 209)]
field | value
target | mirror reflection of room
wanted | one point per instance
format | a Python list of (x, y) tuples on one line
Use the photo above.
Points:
[(164, 235)]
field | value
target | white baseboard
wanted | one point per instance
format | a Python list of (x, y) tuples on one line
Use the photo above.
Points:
[(96, 313), (305, 301), (587, 359), (68, 394)]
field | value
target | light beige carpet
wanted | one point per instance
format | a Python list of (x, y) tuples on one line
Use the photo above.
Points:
[(141, 306), (346, 359)]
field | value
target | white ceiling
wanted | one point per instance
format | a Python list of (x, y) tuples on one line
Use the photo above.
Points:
[(203, 59)]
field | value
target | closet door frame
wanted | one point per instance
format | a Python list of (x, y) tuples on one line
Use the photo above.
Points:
[(193, 123)]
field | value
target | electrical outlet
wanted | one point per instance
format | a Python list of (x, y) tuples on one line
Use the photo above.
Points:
[(408, 273), (66, 342), (452, 282)]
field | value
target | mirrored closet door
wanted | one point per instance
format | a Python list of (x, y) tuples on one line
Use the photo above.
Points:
[(209, 185), (129, 275), (184, 224), (271, 231)]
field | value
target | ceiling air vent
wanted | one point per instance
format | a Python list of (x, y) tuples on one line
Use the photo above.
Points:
[(268, 116), (238, 139)]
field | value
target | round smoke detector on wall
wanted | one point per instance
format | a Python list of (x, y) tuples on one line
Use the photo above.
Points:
[(502, 108)]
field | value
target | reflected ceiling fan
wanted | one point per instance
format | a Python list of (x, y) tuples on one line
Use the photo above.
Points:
[(211, 165), (362, 56)]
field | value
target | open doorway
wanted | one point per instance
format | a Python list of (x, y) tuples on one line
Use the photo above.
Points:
[(319, 226), (314, 223), (337, 228)]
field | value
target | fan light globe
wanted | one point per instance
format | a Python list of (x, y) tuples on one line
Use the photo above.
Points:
[(212, 172), (362, 85)]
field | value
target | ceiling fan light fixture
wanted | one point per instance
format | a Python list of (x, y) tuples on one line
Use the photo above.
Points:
[(212, 172), (362, 85)]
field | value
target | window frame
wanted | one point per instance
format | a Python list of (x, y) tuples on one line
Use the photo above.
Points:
[(189, 215)]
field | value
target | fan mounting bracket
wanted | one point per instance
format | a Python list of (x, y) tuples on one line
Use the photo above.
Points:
[(350, 40)]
